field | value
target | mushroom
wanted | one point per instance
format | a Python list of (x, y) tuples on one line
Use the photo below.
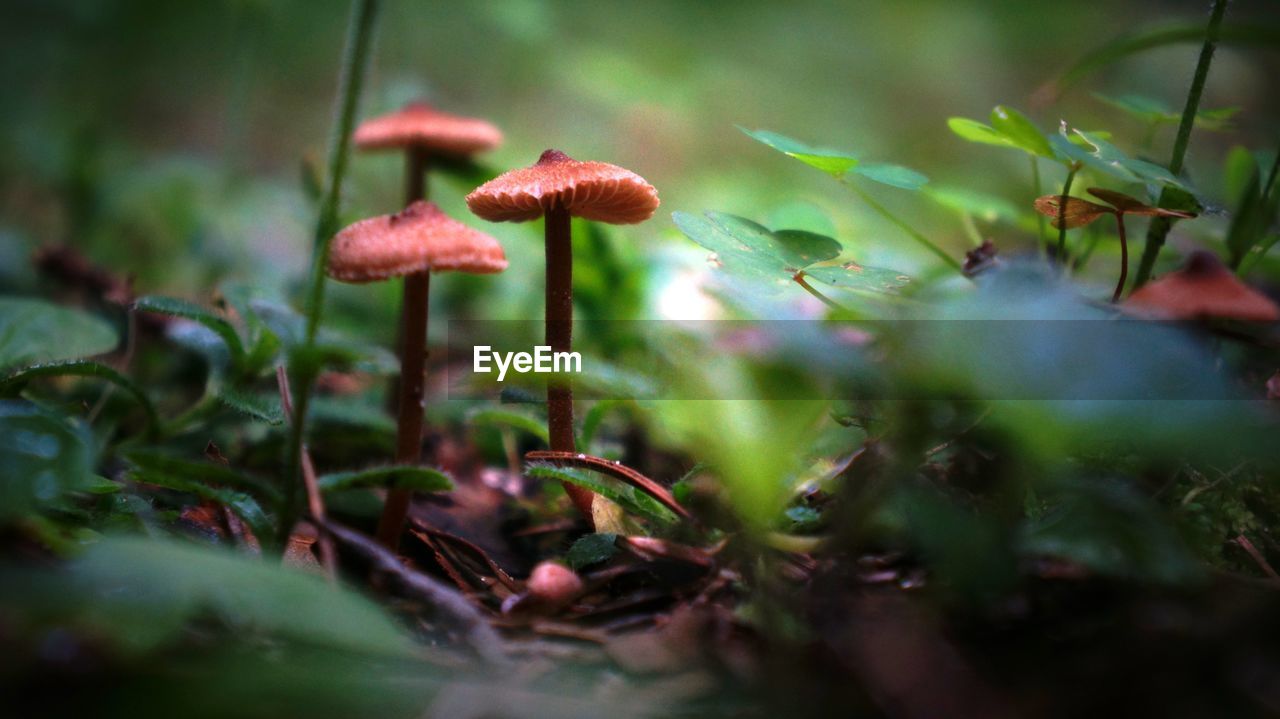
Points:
[(1067, 212), (424, 134), (412, 243), (1202, 289), (559, 187)]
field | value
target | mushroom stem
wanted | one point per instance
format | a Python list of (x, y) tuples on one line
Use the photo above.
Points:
[(560, 338), (1124, 258), (409, 388), (413, 356)]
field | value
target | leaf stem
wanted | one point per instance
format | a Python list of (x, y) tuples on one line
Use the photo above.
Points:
[(912, 232), (1036, 187), (1160, 226), (355, 61), (1061, 254), (800, 280)]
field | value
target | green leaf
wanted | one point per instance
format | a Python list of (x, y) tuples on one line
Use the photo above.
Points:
[(595, 416), (592, 549), (801, 215), (892, 175), (833, 162), (157, 466), (181, 308), (1020, 130), (1252, 219), (515, 420), (988, 208), (141, 592), (975, 131), (753, 252), (624, 495), (418, 479), (79, 368), (264, 407), (853, 276), (43, 456), (1114, 530), (34, 331), (244, 506)]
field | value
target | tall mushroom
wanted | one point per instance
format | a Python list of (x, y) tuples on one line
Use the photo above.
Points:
[(414, 242), (1202, 289), (559, 187)]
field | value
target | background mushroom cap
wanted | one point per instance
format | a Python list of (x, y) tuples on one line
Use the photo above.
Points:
[(420, 237), (592, 190), (419, 124), (1202, 289)]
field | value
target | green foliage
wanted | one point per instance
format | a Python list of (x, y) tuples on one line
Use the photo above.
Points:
[(35, 331), (43, 457), (79, 368), (1155, 112), (592, 549), (629, 498), (140, 593), (853, 276), (839, 164), (418, 479), (1097, 154), (1008, 128), (754, 253), (181, 308), (535, 426)]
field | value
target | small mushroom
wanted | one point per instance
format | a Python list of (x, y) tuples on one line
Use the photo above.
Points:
[(1071, 212), (1202, 289), (559, 187), (414, 242)]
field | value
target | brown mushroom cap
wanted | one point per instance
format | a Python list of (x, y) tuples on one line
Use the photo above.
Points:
[(592, 190), (1203, 289), (419, 124), (419, 238)]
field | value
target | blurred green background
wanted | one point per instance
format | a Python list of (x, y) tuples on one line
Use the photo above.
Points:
[(166, 139)]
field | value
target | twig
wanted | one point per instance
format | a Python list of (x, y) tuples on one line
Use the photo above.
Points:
[(315, 501), (448, 601), (1244, 543)]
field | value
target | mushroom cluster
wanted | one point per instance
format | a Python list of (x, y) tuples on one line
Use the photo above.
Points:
[(421, 239)]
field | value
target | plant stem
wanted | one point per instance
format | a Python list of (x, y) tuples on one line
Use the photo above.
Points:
[(800, 280), (915, 235), (559, 337), (355, 61), (1035, 186), (1160, 226), (1124, 258), (1061, 255)]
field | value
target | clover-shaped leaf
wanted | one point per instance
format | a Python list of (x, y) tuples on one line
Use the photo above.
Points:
[(1008, 128), (752, 251), (853, 276), (838, 163), (832, 162), (1092, 150)]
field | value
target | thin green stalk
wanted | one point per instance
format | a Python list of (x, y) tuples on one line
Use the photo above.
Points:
[(1062, 209), (1160, 226), (915, 235), (355, 61), (971, 229), (1035, 185)]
